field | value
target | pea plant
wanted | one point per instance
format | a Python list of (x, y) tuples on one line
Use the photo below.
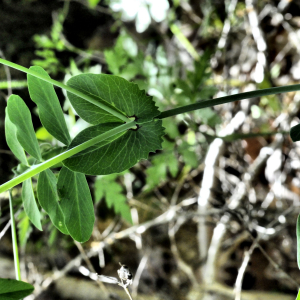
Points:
[(125, 127)]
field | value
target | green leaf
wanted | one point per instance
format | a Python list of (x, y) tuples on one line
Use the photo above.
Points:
[(76, 204), (295, 133), (93, 3), (188, 153), (161, 163), (53, 235), (298, 241), (13, 289), (106, 186), (298, 295), (200, 74), (94, 131), (30, 205), (12, 141), (50, 112), (171, 127), (115, 92), (49, 201), (119, 155), (24, 228), (114, 60), (20, 116), (208, 116), (123, 60)]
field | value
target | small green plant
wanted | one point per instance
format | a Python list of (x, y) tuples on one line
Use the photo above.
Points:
[(125, 127)]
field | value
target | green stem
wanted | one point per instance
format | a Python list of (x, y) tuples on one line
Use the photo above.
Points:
[(227, 99), (59, 158), (298, 296), (242, 136), (67, 88), (14, 239), (184, 41)]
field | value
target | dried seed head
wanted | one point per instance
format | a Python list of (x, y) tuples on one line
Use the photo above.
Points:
[(125, 274)]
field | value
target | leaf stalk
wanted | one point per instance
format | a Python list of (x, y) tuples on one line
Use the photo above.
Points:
[(227, 99), (14, 239), (67, 88), (62, 156)]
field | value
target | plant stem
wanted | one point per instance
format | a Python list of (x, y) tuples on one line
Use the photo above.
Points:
[(227, 99), (184, 41), (14, 238), (62, 156), (67, 88), (298, 296), (127, 292)]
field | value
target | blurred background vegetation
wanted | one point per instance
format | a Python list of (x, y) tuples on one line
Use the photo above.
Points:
[(214, 212)]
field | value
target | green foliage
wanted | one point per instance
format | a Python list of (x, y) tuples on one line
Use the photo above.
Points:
[(124, 59), (53, 235), (93, 3), (49, 201), (76, 204), (106, 187), (109, 146), (13, 289), (14, 84), (112, 91), (124, 150), (193, 88), (30, 205), (49, 60), (120, 154), (12, 141), (48, 45), (24, 228), (298, 295), (67, 200), (188, 154), (20, 116), (50, 112), (167, 162), (163, 82), (270, 102), (161, 164)]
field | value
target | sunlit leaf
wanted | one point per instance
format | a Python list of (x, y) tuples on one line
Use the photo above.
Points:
[(50, 112), (76, 204), (49, 201), (43, 135), (30, 205), (12, 141), (93, 3), (20, 116), (298, 296)]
